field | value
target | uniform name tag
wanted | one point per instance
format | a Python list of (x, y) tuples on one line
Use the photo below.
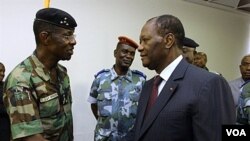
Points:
[(48, 98)]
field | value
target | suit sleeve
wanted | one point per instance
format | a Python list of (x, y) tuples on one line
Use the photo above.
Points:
[(228, 111), (214, 107)]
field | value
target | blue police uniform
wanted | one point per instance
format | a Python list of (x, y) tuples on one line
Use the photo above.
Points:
[(117, 100)]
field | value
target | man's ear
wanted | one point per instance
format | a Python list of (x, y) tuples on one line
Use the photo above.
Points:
[(44, 37), (169, 40)]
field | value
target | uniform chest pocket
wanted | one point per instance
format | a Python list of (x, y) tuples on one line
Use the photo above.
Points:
[(49, 105), (104, 103)]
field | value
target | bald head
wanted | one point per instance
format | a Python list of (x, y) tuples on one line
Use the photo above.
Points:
[(245, 67)]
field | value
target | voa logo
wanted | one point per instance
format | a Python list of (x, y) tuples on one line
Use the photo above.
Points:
[(236, 132)]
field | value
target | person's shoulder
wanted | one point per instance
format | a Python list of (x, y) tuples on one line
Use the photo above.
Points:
[(22, 68), (25, 67), (102, 72), (139, 73), (200, 73), (21, 73), (246, 87)]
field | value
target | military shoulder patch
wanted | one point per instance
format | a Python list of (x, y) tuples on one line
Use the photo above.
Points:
[(139, 73), (102, 71)]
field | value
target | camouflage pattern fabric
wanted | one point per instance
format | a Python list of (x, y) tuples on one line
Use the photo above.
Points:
[(36, 105), (117, 100), (243, 109)]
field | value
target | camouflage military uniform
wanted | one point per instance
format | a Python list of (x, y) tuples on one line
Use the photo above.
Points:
[(117, 101), (243, 109), (37, 105)]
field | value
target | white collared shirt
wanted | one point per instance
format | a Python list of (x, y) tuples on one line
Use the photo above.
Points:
[(166, 73)]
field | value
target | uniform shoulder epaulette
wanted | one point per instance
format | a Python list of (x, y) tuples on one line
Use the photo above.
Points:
[(102, 71), (140, 73)]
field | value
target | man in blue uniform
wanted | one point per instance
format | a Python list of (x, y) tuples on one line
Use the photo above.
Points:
[(236, 84), (114, 94)]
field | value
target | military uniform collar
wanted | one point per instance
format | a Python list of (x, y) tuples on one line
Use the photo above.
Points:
[(114, 75), (39, 68)]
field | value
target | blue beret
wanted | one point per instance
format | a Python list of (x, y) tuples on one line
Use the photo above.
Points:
[(190, 43), (127, 41), (56, 17)]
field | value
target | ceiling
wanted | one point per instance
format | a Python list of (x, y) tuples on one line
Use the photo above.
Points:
[(238, 6)]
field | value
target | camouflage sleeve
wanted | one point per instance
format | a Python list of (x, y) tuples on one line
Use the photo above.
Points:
[(93, 92), (21, 107), (246, 97), (247, 108)]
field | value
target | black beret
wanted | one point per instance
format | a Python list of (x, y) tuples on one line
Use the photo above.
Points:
[(127, 41), (56, 17), (190, 43)]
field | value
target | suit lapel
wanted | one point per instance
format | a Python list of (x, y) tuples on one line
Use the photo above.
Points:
[(166, 94)]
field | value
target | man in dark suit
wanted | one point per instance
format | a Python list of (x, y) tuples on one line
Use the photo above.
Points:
[(192, 103)]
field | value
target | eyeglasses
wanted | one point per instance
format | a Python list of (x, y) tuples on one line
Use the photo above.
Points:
[(69, 37), (66, 36)]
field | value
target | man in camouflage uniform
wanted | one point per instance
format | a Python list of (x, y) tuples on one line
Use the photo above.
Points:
[(114, 94), (37, 92), (243, 107)]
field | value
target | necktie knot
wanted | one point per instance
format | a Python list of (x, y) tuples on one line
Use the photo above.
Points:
[(157, 80)]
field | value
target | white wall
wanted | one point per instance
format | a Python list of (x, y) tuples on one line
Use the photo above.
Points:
[(224, 36)]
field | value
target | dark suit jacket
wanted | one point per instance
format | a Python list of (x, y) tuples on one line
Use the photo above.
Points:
[(192, 106)]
